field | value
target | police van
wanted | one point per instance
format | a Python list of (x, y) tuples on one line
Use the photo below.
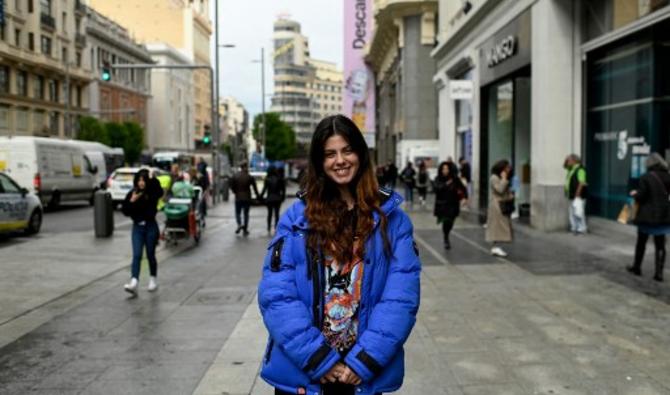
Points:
[(54, 170), (19, 209)]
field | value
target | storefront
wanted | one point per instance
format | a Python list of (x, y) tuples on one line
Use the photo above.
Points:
[(505, 80), (627, 99)]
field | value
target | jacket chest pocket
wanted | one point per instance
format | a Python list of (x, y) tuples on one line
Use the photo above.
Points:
[(275, 259)]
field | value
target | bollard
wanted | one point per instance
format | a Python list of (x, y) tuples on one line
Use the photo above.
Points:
[(103, 214)]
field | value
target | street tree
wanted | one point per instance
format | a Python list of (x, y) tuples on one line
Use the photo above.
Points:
[(90, 129), (280, 141)]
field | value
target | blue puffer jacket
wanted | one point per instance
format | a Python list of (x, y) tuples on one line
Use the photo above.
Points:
[(290, 297)]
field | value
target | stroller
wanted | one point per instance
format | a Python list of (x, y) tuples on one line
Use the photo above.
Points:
[(182, 212)]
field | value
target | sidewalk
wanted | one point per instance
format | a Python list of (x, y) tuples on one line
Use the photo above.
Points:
[(559, 316)]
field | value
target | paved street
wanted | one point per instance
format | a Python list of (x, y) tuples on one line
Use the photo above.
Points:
[(559, 316)]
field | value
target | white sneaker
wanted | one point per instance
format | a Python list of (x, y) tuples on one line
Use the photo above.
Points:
[(131, 287), (153, 285), (497, 251)]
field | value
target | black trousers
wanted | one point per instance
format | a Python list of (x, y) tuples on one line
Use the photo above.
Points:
[(330, 389), (447, 225), (641, 246), (273, 209)]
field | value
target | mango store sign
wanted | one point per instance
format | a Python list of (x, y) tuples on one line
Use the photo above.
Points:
[(461, 89)]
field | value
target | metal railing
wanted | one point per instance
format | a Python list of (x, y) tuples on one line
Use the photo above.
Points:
[(48, 21)]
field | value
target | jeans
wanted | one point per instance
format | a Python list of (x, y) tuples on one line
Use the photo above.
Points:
[(273, 209), (409, 193), (144, 236), (240, 208), (578, 215)]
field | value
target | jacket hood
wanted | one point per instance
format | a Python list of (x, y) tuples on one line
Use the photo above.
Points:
[(295, 219)]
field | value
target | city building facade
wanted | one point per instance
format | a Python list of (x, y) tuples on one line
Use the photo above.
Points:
[(43, 81), (235, 127), (305, 89), (181, 24), (172, 101), (125, 95), (399, 54), (532, 81)]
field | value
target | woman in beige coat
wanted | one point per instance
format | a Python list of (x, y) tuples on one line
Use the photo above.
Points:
[(499, 225)]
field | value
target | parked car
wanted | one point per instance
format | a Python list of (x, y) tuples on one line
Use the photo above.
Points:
[(105, 158), (121, 181), (54, 170), (20, 210)]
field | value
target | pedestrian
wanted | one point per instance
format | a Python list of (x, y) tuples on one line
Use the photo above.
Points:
[(199, 180), (140, 205), (340, 287), (422, 180), (501, 206), (408, 178), (276, 194), (465, 171), (576, 192), (241, 185), (204, 183), (449, 193), (391, 175), (653, 215)]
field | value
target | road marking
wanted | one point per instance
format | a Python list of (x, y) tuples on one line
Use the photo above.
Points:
[(430, 249)]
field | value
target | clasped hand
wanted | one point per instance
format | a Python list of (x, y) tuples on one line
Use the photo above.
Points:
[(341, 373)]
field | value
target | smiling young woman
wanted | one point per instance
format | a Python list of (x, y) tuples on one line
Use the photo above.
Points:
[(340, 286)]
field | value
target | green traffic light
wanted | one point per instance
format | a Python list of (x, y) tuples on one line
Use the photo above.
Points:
[(106, 75), (206, 140)]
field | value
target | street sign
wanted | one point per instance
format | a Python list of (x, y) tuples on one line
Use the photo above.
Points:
[(461, 89)]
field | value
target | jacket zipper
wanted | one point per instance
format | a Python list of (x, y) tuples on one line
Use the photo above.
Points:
[(268, 353), (275, 262)]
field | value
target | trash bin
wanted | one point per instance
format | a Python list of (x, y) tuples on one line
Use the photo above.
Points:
[(103, 214)]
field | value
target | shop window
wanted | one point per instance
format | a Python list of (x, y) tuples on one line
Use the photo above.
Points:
[(4, 116), (53, 122), (22, 115), (39, 121)]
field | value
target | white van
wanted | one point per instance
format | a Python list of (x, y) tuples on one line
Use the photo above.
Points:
[(55, 170), (105, 158)]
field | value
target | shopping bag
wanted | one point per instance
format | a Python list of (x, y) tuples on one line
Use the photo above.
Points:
[(628, 213)]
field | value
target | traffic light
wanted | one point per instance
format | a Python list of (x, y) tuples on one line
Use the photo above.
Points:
[(207, 139), (106, 72)]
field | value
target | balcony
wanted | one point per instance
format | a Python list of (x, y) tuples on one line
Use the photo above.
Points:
[(79, 7), (80, 40), (48, 21)]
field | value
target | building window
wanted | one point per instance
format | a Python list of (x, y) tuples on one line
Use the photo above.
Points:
[(38, 121), (17, 37), (17, 5), (79, 96), (45, 7), (21, 83), (64, 56), (78, 59), (4, 79), (77, 25), (46, 45), (2, 32), (22, 114), (31, 41), (53, 90), (4, 116), (30, 6), (38, 87), (65, 22), (53, 122)]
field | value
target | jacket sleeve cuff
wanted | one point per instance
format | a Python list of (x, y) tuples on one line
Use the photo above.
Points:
[(363, 364), (321, 362)]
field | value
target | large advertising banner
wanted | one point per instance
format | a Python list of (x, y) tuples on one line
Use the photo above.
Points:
[(359, 84)]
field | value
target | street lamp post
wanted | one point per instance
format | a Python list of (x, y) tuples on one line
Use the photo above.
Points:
[(263, 126)]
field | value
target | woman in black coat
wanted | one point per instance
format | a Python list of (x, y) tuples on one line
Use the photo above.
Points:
[(449, 192), (653, 215), (276, 193)]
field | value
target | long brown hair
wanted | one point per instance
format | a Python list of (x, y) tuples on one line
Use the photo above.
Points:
[(329, 229)]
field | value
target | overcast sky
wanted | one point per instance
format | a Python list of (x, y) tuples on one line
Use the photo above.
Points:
[(248, 25)]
